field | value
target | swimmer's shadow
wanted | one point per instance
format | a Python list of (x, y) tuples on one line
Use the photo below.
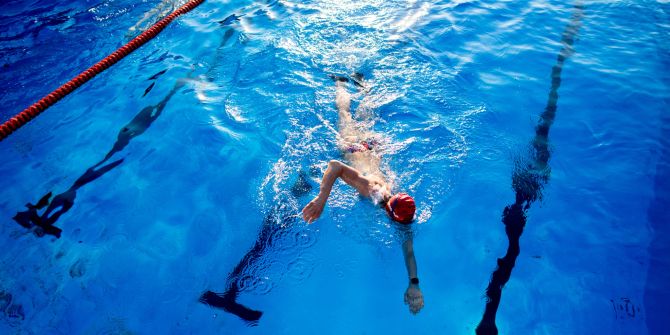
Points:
[(227, 300)]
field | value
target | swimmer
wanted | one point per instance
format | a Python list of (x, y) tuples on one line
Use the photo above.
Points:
[(360, 148)]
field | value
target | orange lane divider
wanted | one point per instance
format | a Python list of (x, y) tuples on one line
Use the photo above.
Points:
[(35, 109)]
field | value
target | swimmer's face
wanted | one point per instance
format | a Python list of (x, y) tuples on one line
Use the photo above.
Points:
[(401, 208)]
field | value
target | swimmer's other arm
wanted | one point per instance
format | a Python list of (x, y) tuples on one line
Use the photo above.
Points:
[(336, 169), (413, 296)]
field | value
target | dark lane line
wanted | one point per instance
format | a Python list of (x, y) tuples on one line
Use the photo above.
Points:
[(656, 293), (528, 179)]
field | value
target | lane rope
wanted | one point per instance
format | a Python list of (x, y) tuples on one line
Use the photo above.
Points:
[(50, 99)]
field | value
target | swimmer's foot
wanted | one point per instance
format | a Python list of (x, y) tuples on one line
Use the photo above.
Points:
[(227, 303), (358, 79), (338, 78)]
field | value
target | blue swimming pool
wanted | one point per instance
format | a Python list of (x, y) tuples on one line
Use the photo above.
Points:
[(189, 161)]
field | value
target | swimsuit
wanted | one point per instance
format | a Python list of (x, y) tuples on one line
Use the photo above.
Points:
[(367, 145)]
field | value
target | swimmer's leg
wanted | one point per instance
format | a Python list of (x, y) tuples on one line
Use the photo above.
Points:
[(363, 112), (343, 103)]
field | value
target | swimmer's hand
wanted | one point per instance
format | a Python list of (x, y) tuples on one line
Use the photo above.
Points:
[(313, 210), (414, 298)]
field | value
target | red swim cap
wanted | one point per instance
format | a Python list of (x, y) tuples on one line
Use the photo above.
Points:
[(401, 208)]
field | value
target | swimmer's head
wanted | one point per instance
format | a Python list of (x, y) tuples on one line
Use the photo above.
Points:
[(401, 208)]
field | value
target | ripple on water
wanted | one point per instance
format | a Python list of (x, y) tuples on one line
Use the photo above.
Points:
[(301, 268), (262, 275), (292, 240), (364, 223), (255, 284)]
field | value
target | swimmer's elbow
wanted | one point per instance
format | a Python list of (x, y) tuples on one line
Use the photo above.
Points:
[(335, 166)]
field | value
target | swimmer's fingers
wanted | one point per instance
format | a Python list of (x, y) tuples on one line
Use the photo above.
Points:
[(306, 213), (409, 296), (312, 211), (414, 309), (416, 305), (414, 299), (419, 304)]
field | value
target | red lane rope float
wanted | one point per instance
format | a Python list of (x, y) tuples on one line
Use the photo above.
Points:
[(40, 106)]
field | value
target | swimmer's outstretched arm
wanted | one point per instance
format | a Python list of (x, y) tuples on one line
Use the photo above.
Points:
[(336, 169), (410, 261), (413, 295)]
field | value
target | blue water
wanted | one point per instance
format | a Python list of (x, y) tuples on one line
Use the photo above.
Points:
[(456, 87)]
